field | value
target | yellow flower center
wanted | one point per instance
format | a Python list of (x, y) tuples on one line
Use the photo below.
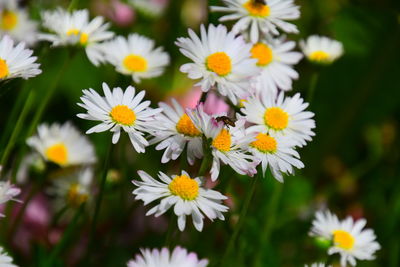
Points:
[(263, 53), (135, 63), (75, 197), (343, 239), (220, 63), (72, 32), (83, 38), (123, 115), (319, 56), (185, 126), (222, 141), (265, 143), (9, 20), (257, 9), (184, 187), (57, 153), (276, 118), (3, 69)]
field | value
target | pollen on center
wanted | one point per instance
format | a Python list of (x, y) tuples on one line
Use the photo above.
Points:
[(3, 69), (57, 153), (185, 126), (276, 118), (75, 196), (135, 63), (319, 56), (223, 141), (9, 20), (122, 114), (263, 53), (257, 9), (265, 143), (184, 187), (220, 63), (343, 239)]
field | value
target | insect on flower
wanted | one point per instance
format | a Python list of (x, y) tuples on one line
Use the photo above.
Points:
[(226, 120)]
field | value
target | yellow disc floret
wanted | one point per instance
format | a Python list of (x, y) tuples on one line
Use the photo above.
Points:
[(84, 38), (3, 69), (184, 187), (135, 63), (122, 114), (76, 196), (222, 141), (185, 126), (265, 143), (220, 63), (257, 9), (263, 53), (319, 56), (343, 239), (9, 20), (276, 118), (57, 153)]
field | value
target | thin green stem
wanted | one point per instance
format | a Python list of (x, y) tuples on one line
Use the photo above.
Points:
[(72, 5), (312, 87), (170, 231)]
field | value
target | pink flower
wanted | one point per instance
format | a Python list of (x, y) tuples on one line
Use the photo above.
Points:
[(120, 13)]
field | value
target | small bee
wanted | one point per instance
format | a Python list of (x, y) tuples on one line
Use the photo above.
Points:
[(260, 2), (226, 120)]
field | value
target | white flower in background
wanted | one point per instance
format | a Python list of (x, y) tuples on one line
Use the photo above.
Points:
[(276, 59), (16, 61), (15, 22), (175, 130), (280, 116), (348, 237), (260, 17), (179, 257), (63, 145), (135, 56), (321, 49), (152, 8), (119, 110), (8, 192), (228, 145), (186, 195), (5, 259), (76, 29), (317, 265), (220, 59)]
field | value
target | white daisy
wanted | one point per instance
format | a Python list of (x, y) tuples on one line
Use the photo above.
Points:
[(280, 116), (76, 29), (174, 129), (152, 8), (119, 110), (321, 49), (5, 259), (135, 56), (276, 60), (63, 145), (8, 192), (348, 237), (260, 18), (219, 59), (15, 22), (179, 257), (228, 145), (184, 193), (16, 61)]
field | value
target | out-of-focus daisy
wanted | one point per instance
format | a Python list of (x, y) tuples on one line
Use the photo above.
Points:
[(186, 195), (5, 259), (348, 237), (63, 145), (174, 129), (321, 49), (119, 110), (179, 257), (76, 29), (219, 59), (152, 8), (280, 116), (228, 145), (15, 22), (260, 17), (135, 56), (276, 60), (16, 61), (8, 192)]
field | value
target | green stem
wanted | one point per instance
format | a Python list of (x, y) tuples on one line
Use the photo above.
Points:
[(72, 5), (170, 231), (312, 87)]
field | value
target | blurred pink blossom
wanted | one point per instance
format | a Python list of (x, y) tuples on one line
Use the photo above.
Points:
[(118, 12)]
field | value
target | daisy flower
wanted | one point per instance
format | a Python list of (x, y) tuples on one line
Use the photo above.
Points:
[(187, 195), (179, 257), (8, 192), (174, 129), (260, 18), (276, 60), (152, 8), (16, 61), (135, 56), (15, 22), (119, 110), (63, 145), (220, 59), (321, 49), (228, 145), (5, 259), (280, 116), (76, 29), (348, 237)]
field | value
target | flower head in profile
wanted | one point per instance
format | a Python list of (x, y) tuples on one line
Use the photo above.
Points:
[(5, 259), (76, 29), (135, 56), (321, 49), (119, 110), (348, 237), (260, 17), (16, 61), (179, 257), (220, 59), (8, 192), (186, 195), (63, 145)]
